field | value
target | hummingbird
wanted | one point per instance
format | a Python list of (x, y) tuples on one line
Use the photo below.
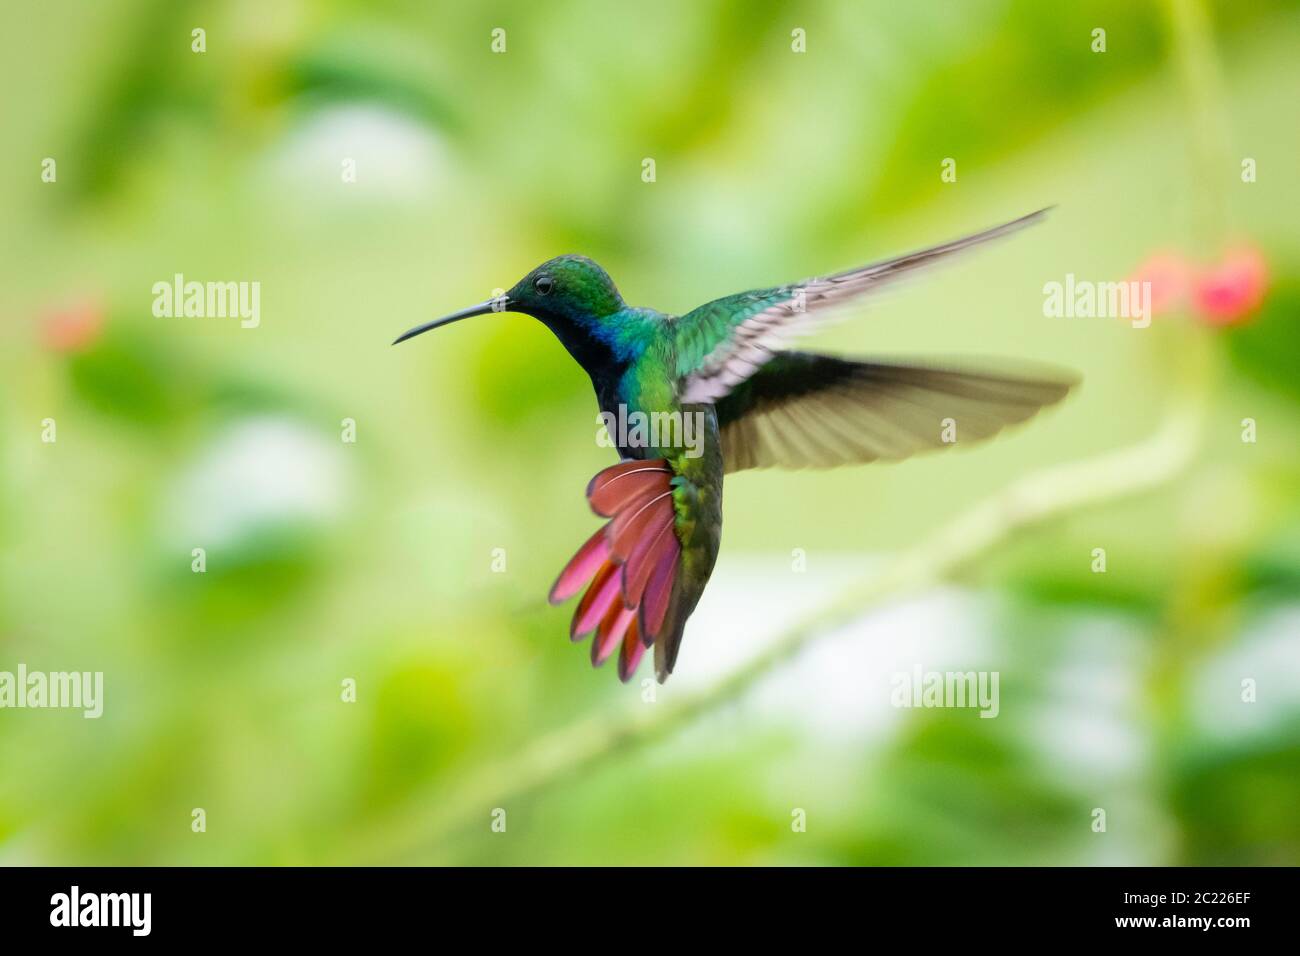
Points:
[(757, 404)]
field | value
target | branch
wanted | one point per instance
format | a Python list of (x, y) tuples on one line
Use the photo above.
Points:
[(562, 754)]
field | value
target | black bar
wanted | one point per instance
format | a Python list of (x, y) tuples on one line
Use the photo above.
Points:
[(331, 906)]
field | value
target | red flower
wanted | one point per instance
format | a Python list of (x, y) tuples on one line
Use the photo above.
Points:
[(73, 326), (1227, 293), (1224, 293)]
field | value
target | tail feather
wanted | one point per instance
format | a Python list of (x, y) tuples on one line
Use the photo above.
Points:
[(631, 524), (616, 487), (670, 639), (633, 557), (630, 656), (658, 590), (610, 634), (657, 543), (600, 597), (580, 568)]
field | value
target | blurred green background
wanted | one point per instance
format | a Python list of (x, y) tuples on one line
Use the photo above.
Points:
[(373, 560)]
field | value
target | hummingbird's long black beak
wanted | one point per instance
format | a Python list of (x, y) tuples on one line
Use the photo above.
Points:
[(491, 305)]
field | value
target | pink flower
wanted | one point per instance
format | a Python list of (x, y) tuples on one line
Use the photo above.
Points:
[(1170, 275), (73, 326), (1227, 293), (1220, 294)]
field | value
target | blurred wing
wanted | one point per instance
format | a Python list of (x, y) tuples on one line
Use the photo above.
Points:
[(804, 410), (725, 341)]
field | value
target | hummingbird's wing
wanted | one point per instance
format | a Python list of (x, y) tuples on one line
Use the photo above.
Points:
[(724, 342), (804, 410)]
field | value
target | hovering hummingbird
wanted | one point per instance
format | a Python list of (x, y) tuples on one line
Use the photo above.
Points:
[(760, 406)]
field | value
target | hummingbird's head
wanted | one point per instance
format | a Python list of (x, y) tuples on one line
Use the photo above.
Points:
[(571, 295), (566, 288)]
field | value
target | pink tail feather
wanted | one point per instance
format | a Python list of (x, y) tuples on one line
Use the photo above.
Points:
[(634, 556)]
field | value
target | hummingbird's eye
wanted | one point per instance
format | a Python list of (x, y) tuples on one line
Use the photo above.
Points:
[(543, 285)]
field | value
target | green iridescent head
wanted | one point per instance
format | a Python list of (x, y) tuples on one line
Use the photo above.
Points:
[(574, 297), (567, 287)]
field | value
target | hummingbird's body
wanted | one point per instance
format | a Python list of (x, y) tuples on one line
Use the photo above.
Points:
[(632, 357), (755, 405)]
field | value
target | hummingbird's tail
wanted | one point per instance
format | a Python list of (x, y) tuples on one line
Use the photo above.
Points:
[(631, 563)]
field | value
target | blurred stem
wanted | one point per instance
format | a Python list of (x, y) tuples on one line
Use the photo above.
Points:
[(1046, 494), (1193, 44)]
